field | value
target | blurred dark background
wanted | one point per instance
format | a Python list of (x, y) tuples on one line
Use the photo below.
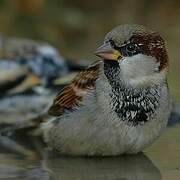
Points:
[(76, 27)]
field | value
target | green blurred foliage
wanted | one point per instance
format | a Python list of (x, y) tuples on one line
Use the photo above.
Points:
[(77, 27)]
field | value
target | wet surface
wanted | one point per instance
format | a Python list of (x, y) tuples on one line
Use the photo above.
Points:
[(161, 161)]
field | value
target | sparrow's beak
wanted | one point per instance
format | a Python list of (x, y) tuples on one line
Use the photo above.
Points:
[(106, 52)]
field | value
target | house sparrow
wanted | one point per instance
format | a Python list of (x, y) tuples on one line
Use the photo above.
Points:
[(118, 105)]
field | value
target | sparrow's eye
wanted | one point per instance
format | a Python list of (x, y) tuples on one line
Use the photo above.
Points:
[(131, 47)]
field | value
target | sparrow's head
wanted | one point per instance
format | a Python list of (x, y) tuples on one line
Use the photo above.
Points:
[(139, 52)]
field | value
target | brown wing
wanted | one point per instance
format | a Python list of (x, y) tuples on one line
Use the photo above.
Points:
[(73, 94)]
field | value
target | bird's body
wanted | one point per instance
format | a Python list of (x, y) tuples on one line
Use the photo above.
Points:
[(118, 105), (94, 128)]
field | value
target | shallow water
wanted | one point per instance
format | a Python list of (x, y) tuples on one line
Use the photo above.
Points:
[(161, 161)]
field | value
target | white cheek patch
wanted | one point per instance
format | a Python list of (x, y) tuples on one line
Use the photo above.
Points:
[(138, 66)]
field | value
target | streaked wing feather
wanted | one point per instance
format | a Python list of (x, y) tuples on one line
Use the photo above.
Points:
[(73, 94)]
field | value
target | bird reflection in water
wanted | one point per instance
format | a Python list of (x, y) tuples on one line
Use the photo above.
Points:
[(127, 167)]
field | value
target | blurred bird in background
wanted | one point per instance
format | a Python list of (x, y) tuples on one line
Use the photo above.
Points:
[(28, 70)]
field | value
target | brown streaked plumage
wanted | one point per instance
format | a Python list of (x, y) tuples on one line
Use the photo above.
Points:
[(73, 94)]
